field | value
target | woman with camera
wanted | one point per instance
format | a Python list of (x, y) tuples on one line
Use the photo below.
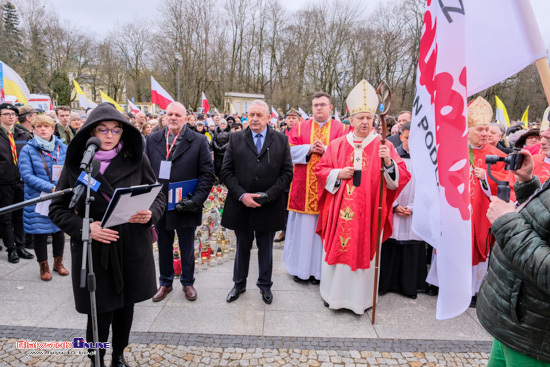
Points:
[(122, 255)]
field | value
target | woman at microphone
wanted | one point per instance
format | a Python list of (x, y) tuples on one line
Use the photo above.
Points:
[(122, 255)]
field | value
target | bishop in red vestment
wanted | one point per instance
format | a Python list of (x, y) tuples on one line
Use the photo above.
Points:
[(348, 205)]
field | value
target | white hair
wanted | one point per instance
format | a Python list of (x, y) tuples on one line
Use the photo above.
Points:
[(260, 103)]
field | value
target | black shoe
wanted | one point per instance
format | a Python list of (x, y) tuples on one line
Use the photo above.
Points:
[(24, 254), (411, 297), (234, 294), (13, 257), (267, 296), (432, 290), (298, 279), (325, 303), (314, 281), (474, 301), (119, 361)]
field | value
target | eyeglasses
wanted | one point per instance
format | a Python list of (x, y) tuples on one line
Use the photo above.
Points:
[(103, 130), (9, 114), (320, 105)]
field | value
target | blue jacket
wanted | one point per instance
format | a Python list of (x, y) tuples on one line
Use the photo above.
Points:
[(36, 181)]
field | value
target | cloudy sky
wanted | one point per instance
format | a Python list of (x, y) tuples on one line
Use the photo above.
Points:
[(105, 15)]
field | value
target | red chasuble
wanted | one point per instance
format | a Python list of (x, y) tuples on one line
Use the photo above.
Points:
[(303, 190), (348, 219), (482, 239), (541, 169)]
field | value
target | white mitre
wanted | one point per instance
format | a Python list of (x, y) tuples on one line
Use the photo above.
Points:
[(362, 98)]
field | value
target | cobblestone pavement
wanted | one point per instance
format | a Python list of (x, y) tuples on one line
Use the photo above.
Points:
[(173, 349)]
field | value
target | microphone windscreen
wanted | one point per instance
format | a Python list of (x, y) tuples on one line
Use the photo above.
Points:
[(93, 141)]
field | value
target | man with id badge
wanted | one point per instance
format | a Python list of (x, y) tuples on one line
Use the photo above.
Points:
[(179, 154)]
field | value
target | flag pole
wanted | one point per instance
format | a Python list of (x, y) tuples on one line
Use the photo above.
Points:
[(384, 95), (544, 73)]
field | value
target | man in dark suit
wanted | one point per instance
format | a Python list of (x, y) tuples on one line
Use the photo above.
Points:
[(179, 154), (402, 118), (257, 169)]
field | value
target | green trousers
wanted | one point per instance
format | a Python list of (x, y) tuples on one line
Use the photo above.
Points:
[(502, 356)]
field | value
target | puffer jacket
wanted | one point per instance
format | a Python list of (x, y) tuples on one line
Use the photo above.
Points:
[(220, 140), (36, 181), (514, 300)]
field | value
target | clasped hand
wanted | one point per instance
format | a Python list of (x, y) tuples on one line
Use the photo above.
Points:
[(317, 147)]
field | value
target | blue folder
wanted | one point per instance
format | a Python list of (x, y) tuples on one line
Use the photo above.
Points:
[(179, 190)]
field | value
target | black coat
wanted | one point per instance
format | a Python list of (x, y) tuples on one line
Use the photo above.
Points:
[(514, 300), (191, 159), (244, 171), (10, 171), (125, 269)]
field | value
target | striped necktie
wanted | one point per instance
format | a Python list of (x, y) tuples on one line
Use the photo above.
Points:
[(13, 148), (68, 136)]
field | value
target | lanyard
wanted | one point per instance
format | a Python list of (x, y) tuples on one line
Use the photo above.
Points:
[(49, 155), (169, 149)]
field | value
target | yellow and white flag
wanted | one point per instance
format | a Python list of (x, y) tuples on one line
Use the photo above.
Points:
[(525, 117), (85, 103), (500, 114), (232, 109), (106, 98), (14, 85), (545, 119)]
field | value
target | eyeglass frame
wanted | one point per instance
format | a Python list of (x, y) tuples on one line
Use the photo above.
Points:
[(12, 114), (97, 129)]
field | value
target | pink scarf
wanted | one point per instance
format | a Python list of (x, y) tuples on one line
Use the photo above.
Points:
[(106, 156)]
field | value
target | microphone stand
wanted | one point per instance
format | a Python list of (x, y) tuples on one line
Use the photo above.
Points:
[(21, 205), (87, 255)]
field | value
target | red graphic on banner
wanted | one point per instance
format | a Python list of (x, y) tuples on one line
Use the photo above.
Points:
[(450, 122)]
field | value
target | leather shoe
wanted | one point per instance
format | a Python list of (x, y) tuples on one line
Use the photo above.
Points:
[(280, 237), (190, 292), (267, 296), (119, 361), (432, 290), (24, 254), (234, 294), (314, 281), (297, 279), (162, 292), (13, 257), (473, 302)]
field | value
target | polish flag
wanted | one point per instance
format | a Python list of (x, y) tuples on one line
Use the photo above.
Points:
[(303, 113), (274, 116), (456, 60), (336, 117), (274, 113), (159, 96), (205, 104), (133, 107)]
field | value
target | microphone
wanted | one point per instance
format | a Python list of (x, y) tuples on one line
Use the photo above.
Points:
[(92, 145), (80, 188), (77, 193)]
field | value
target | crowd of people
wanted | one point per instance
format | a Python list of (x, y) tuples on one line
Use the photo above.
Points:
[(316, 180)]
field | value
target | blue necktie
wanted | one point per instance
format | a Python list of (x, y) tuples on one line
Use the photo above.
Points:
[(258, 142)]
